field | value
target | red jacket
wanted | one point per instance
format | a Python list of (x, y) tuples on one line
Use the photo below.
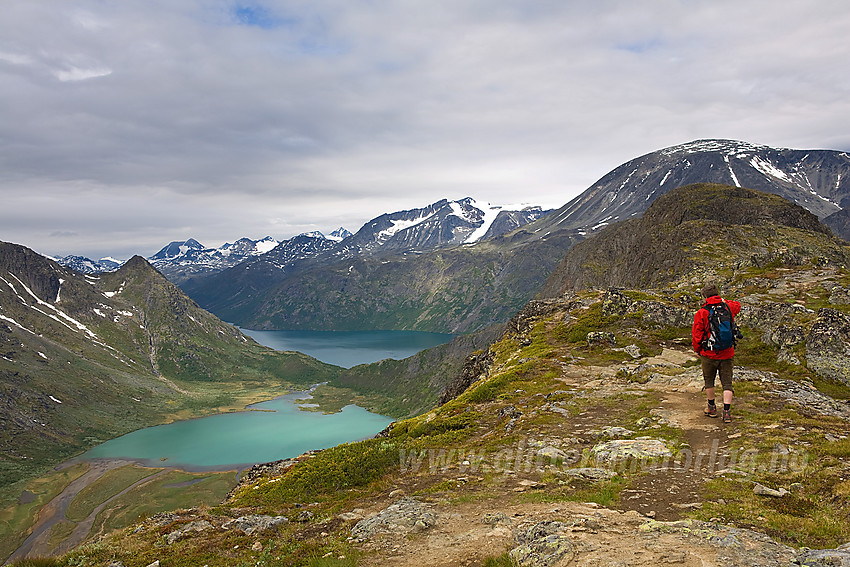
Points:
[(700, 331)]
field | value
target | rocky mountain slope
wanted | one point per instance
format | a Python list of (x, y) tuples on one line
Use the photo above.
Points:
[(578, 438), (678, 234), (818, 180), (87, 358), (839, 223)]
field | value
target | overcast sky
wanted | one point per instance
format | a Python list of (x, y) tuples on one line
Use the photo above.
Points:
[(126, 125)]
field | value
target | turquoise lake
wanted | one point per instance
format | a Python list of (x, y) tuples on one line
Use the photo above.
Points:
[(243, 438), (280, 430), (350, 348)]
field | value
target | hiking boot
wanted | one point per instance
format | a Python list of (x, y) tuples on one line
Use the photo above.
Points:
[(727, 416), (710, 411)]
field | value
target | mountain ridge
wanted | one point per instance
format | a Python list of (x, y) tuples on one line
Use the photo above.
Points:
[(818, 180)]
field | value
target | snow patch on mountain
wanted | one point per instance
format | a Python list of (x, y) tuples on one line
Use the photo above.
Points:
[(401, 224), (768, 168), (491, 213)]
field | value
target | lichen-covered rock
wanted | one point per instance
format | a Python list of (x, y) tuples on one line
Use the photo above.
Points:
[(623, 449), (495, 518), (552, 453), (803, 394), (840, 295), (769, 315), (825, 557), (785, 335), (663, 314), (612, 432), (615, 303), (828, 345), (600, 338), (256, 523), (544, 544), (405, 515), (593, 474)]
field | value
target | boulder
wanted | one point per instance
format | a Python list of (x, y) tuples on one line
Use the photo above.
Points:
[(611, 432), (825, 557), (840, 295), (600, 338), (593, 474), (405, 515), (828, 345)]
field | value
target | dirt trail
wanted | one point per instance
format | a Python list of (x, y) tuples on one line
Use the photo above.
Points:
[(600, 536)]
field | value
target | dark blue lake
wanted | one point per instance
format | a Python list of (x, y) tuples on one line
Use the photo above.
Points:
[(350, 348)]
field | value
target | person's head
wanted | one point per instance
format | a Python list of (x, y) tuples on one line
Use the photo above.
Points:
[(709, 290)]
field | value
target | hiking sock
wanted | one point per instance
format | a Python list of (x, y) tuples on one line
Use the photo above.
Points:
[(727, 407), (711, 403)]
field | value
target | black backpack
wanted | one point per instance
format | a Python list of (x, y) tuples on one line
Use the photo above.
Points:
[(723, 333)]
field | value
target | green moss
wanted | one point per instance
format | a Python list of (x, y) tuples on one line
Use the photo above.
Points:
[(336, 469)]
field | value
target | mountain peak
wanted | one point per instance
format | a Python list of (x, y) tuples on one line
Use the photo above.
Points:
[(729, 205), (136, 264)]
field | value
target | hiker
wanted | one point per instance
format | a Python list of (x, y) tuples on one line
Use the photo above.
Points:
[(717, 348)]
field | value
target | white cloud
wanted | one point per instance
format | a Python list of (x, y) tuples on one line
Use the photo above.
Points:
[(195, 119), (78, 74)]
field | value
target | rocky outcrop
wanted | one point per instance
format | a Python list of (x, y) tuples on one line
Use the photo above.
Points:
[(828, 345), (255, 523), (738, 547), (616, 303), (622, 449), (476, 366), (803, 395), (192, 527)]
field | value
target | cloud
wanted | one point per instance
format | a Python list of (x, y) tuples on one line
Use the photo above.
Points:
[(136, 123)]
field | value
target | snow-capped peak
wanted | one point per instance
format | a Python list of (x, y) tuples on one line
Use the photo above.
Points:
[(339, 234)]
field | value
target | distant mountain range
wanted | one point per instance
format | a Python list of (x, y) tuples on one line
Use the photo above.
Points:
[(85, 265), (342, 285)]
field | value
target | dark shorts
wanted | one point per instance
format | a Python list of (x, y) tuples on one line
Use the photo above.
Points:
[(710, 369)]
